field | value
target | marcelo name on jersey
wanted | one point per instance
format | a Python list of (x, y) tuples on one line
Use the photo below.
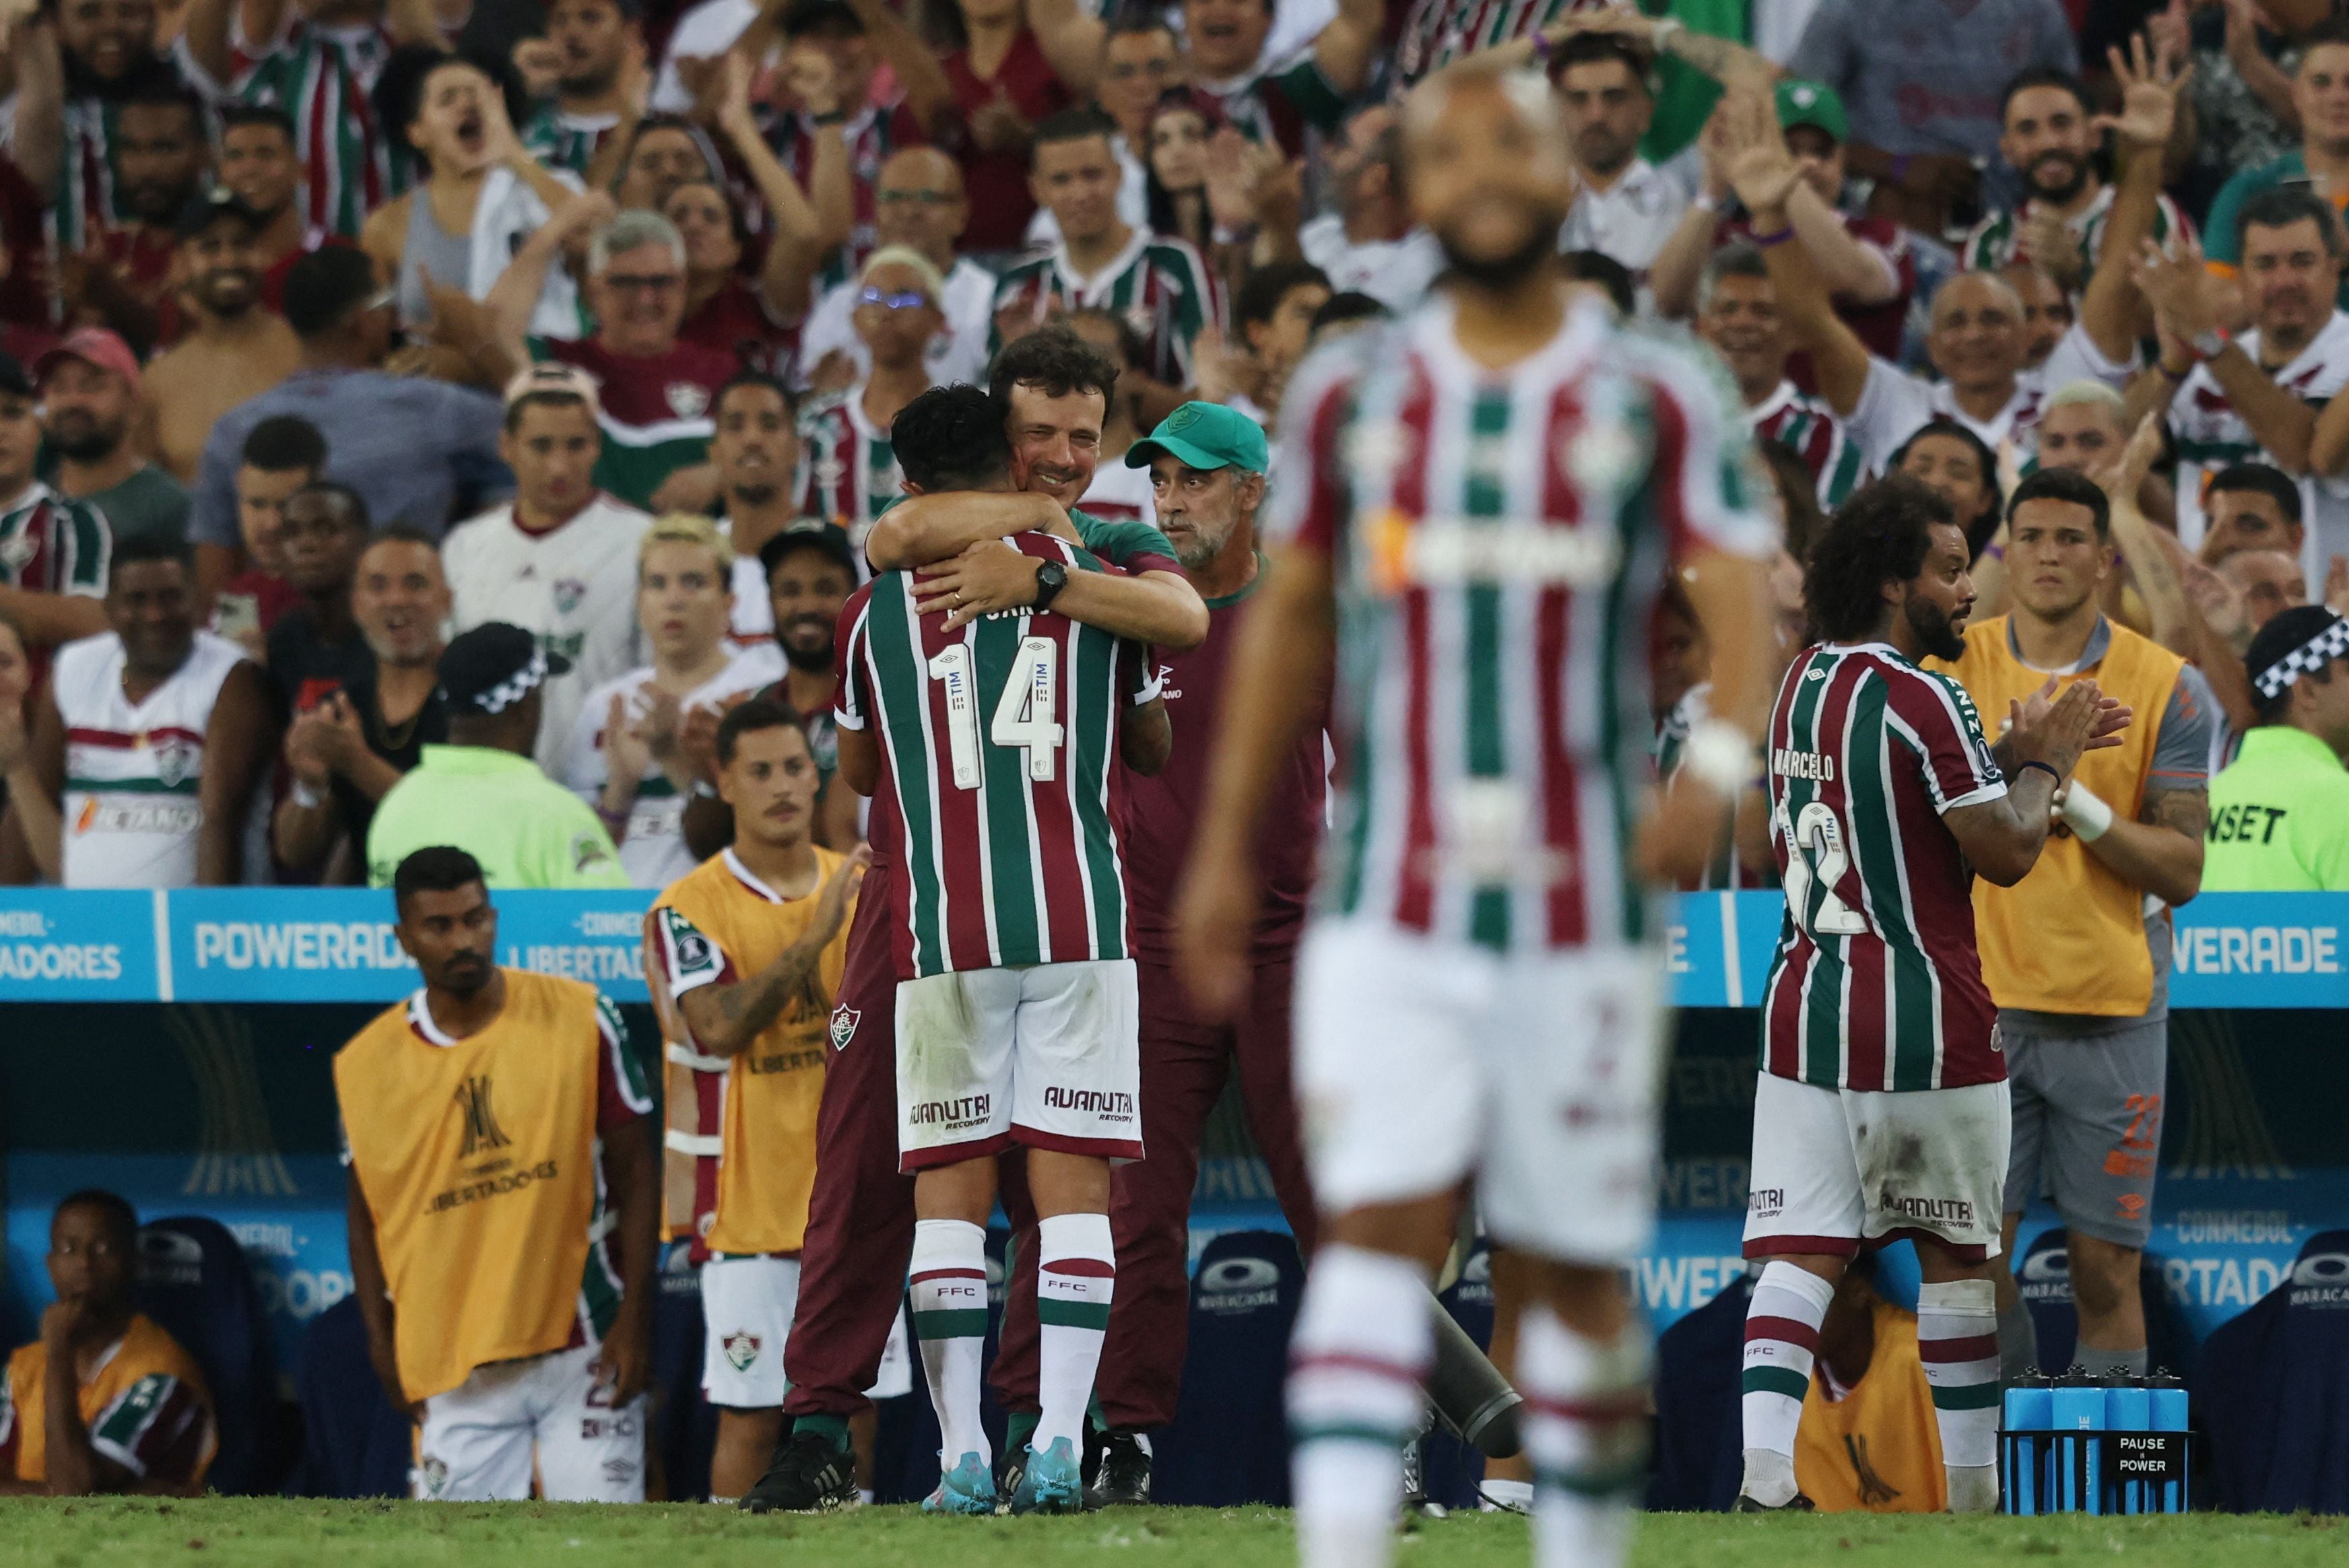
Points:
[(1876, 984)]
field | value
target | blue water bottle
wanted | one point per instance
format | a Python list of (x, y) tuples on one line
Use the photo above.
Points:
[(2030, 1411), (2167, 1399), (2079, 1410), (2128, 1408)]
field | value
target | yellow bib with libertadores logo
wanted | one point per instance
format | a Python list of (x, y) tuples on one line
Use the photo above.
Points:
[(2070, 936), (477, 1160), (720, 924)]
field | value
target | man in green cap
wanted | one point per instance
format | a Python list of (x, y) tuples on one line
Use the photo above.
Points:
[(2047, 134), (2280, 811), (482, 792), (1866, 262)]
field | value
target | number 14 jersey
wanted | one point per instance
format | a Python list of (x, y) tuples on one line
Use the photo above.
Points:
[(1000, 769), (1876, 984)]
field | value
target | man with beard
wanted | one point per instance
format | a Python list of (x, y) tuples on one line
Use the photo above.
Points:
[(2078, 970), (53, 550), (348, 750), (89, 399), (602, 50), (2048, 135), (1624, 207), (1737, 314), (234, 349), (1476, 996), (77, 66), (504, 1208), (161, 155), (1881, 1047)]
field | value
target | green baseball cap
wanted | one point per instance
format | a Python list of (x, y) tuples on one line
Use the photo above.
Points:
[(1813, 104), (1204, 435)]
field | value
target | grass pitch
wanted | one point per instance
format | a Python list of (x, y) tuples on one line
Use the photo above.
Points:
[(265, 1533)]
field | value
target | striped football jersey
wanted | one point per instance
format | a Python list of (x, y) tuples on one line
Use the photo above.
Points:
[(1810, 428), (1158, 284), (1876, 984), (1497, 540), (848, 470), (561, 140), (1991, 243), (999, 746), (325, 77)]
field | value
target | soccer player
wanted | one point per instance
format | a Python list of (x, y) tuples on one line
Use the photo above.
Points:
[(1481, 501), (1052, 394), (1882, 1110), (2080, 972), (1206, 466), (1016, 1010), (744, 953), (504, 1209), (140, 1420)]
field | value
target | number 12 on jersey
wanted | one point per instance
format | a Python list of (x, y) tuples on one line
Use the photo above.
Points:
[(1815, 852), (1025, 712)]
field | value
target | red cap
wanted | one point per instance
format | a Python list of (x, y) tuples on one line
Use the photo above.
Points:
[(92, 346)]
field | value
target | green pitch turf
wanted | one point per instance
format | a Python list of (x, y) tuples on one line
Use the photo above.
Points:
[(220, 1532)]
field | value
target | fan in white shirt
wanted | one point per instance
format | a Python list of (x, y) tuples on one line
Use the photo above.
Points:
[(756, 451), (624, 755), (917, 202), (1368, 245), (560, 559), (1626, 207)]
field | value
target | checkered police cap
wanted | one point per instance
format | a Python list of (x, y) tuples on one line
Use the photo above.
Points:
[(2300, 640)]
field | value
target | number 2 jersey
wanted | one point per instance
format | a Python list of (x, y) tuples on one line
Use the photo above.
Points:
[(999, 773), (1876, 984)]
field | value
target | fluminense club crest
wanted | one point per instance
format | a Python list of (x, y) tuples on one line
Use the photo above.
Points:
[(843, 1026), (685, 400)]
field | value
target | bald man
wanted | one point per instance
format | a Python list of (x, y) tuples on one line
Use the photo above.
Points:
[(917, 201)]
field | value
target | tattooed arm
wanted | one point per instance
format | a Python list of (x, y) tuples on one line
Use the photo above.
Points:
[(725, 1019), (2161, 852)]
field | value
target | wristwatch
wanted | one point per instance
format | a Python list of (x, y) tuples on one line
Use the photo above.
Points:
[(1051, 578), (2209, 342)]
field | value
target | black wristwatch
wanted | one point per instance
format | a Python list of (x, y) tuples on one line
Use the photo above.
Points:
[(1051, 578)]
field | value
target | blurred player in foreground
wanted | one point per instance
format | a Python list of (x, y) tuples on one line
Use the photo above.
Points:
[(1480, 504), (744, 953), (504, 1209), (1881, 1111)]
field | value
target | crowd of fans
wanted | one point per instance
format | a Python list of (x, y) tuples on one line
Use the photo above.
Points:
[(331, 329)]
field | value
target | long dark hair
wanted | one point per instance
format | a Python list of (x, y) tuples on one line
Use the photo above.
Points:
[(1880, 535), (1164, 215)]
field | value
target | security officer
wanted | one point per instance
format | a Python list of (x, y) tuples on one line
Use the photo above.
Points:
[(2279, 814)]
